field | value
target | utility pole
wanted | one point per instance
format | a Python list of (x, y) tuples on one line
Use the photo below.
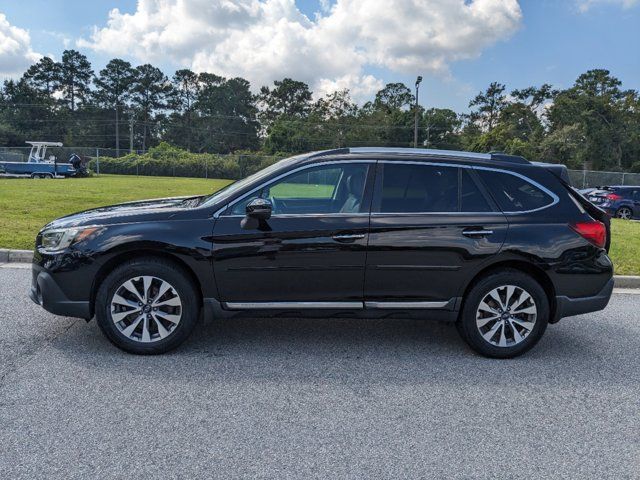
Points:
[(415, 118), (131, 121), (117, 134)]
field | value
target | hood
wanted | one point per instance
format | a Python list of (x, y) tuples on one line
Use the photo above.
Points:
[(130, 212)]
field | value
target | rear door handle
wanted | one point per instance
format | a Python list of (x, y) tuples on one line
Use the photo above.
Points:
[(348, 237), (476, 232)]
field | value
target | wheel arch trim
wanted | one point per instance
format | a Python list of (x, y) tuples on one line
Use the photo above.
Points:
[(525, 267), (136, 252)]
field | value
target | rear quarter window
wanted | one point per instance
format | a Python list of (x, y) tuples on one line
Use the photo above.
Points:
[(513, 193)]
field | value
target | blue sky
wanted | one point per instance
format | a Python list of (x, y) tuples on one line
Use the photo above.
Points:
[(553, 42)]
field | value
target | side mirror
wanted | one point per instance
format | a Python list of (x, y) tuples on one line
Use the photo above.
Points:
[(259, 208)]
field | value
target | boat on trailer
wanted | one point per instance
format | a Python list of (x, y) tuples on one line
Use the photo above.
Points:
[(38, 165)]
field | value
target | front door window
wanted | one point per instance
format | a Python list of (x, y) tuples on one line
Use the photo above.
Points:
[(325, 189)]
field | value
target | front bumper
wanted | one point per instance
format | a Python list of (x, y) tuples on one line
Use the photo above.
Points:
[(568, 307), (48, 294)]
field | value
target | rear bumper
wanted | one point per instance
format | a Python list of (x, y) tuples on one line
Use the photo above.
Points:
[(48, 294), (568, 307)]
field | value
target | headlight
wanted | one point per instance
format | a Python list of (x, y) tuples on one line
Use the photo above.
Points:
[(59, 239)]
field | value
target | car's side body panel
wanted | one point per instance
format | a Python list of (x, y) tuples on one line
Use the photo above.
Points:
[(426, 256), (79, 270), (291, 259)]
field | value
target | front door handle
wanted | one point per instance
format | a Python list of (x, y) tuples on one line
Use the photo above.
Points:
[(348, 237), (476, 232)]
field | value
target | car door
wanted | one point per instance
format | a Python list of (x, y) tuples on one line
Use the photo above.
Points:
[(432, 225), (636, 202), (310, 253)]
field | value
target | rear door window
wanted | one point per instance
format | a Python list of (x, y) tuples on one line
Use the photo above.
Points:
[(413, 188), (471, 198), (513, 193)]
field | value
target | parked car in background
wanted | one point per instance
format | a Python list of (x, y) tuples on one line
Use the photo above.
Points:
[(587, 191), (492, 242), (618, 201)]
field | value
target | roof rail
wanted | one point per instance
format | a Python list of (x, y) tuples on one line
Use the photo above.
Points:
[(421, 151), (495, 156), (322, 153)]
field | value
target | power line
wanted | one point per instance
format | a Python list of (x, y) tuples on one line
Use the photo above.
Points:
[(281, 120)]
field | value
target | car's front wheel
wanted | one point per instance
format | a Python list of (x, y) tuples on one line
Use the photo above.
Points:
[(147, 306), (504, 314)]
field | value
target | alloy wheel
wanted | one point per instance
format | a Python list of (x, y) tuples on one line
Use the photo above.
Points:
[(506, 316), (146, 309), (624, 213)]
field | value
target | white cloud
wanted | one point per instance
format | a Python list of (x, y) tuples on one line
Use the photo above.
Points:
[(15, 49), (584, 5), (270, 39)]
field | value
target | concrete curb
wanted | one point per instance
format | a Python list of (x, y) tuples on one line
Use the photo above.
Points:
[(16, 256), (26, 256), (626, 281)]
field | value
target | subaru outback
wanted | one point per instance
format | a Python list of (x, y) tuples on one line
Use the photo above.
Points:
[(496, 244)]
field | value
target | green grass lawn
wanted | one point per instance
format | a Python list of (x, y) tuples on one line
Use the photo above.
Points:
[(26, 205), (625, 247)]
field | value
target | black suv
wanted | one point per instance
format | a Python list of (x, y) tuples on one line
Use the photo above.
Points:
[(494, 243)]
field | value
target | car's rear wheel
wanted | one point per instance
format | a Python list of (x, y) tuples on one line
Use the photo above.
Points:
[(147, 306), (624, 213), (504, 314)]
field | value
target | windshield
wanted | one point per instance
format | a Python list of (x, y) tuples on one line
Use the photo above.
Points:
[(235, 187)]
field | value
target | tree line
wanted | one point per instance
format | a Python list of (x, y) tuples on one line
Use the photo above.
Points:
[(595, 123)]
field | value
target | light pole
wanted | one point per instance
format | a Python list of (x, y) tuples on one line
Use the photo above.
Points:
[(415, 120)]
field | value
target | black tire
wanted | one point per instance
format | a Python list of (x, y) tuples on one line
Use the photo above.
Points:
[(470, 332), (161, 269), (624, 210)]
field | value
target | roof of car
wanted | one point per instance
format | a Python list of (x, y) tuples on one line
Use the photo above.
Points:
[(424, 152)]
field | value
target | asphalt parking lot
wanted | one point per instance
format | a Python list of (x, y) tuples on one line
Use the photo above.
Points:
[(292, 398)]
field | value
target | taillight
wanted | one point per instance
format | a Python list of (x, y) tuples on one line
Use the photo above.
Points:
[(613, 197), (593, 231)]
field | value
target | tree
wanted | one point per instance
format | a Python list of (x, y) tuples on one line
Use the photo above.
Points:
[(288, 98), (535, 97), (388, 120), (113, 88), (186, 86), (488, 106), (74, 76), (27, 113), (332, 120), (441, 130), (150, 90), (599, 83), (595, 105), (43, 75), (227, 114), (394, 96)]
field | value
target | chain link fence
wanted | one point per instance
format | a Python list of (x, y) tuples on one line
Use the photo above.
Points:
[(232, 165), (62, 154), (592, 179)]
